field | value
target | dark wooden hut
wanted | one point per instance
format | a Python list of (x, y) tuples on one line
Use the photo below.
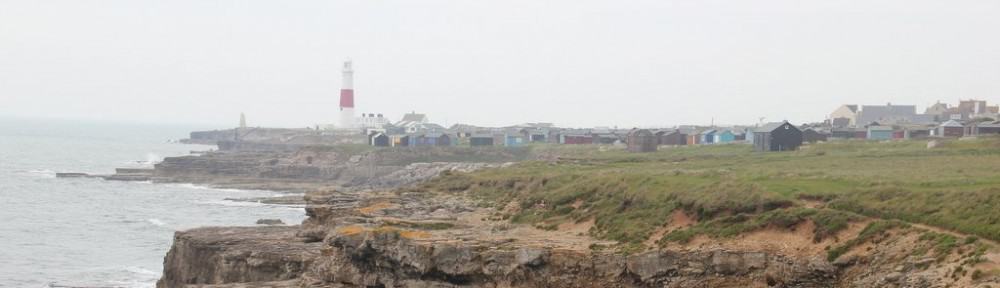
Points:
[(641, 140), (577, 139), (778, 136), (672, 137), (379, 140), (443, 140), (481, 140), (951, 128), (812, 136)]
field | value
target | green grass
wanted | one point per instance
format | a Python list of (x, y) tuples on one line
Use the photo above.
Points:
[(827, 222), (731, 189), (873, 229), (942, 243)]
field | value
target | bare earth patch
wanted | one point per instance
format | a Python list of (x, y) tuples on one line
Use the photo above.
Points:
[(678, 220), (797, 241)]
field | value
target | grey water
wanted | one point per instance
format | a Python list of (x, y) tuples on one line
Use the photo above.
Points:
[(91, 232)]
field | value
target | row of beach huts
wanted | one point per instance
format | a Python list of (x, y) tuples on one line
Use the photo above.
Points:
[(649, 139), (777, 136)]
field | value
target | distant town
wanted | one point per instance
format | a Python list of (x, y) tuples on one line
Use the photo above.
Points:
[(968, 118)]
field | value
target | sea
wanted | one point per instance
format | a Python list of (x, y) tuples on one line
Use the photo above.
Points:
[(86, 232)]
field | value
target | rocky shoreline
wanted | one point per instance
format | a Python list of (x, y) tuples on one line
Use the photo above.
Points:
[(412, 240), (423, 239), (370, 225)]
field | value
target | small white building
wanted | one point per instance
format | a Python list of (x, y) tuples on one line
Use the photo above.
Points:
[(371, 121)]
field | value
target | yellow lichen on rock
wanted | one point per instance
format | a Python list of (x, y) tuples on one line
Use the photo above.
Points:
[(414, 234), (375, 207), (350, 230)]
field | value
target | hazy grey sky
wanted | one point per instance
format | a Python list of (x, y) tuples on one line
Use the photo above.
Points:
[(575, 63)]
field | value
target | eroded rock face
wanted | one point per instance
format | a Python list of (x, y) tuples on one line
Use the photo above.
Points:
[(366, 238), (420, 240), (236, 255), (389, 259)]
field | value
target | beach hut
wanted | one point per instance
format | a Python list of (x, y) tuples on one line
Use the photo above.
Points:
[(777, 136), (951, 128), (812, 136), (478, 140), (514, 140), (379, 140), (724, 136), (707, 136), (640, 140), (878, 132), (673, 137)]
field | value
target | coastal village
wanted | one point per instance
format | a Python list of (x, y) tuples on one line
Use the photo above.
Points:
[(967, 118), (480, 144), (411, 203)]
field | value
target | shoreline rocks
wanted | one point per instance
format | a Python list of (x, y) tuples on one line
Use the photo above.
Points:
[(270, 222), (380, 239), (221, 255)]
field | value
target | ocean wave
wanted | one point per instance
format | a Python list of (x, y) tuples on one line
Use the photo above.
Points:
[(156, 222), (112, 276), (151, 159), (45, 173), (136, 277), (230, 203), (238, 203), (203, 187), (141, 271)]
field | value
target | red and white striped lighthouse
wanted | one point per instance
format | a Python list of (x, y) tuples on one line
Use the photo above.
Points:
[(347, 98)]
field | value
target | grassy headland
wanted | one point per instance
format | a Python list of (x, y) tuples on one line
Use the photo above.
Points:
[(731, 190)]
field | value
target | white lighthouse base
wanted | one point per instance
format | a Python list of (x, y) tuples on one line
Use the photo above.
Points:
[(347, 119)]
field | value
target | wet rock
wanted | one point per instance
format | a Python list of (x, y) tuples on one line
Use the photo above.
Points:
[(279, 200), (270, 222)]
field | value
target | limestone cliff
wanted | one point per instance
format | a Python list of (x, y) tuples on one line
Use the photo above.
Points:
[(234, 255), (421, 239), (379, 232)]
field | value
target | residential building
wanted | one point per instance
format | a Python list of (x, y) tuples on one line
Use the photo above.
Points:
[(844, 116), (888, 114)]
